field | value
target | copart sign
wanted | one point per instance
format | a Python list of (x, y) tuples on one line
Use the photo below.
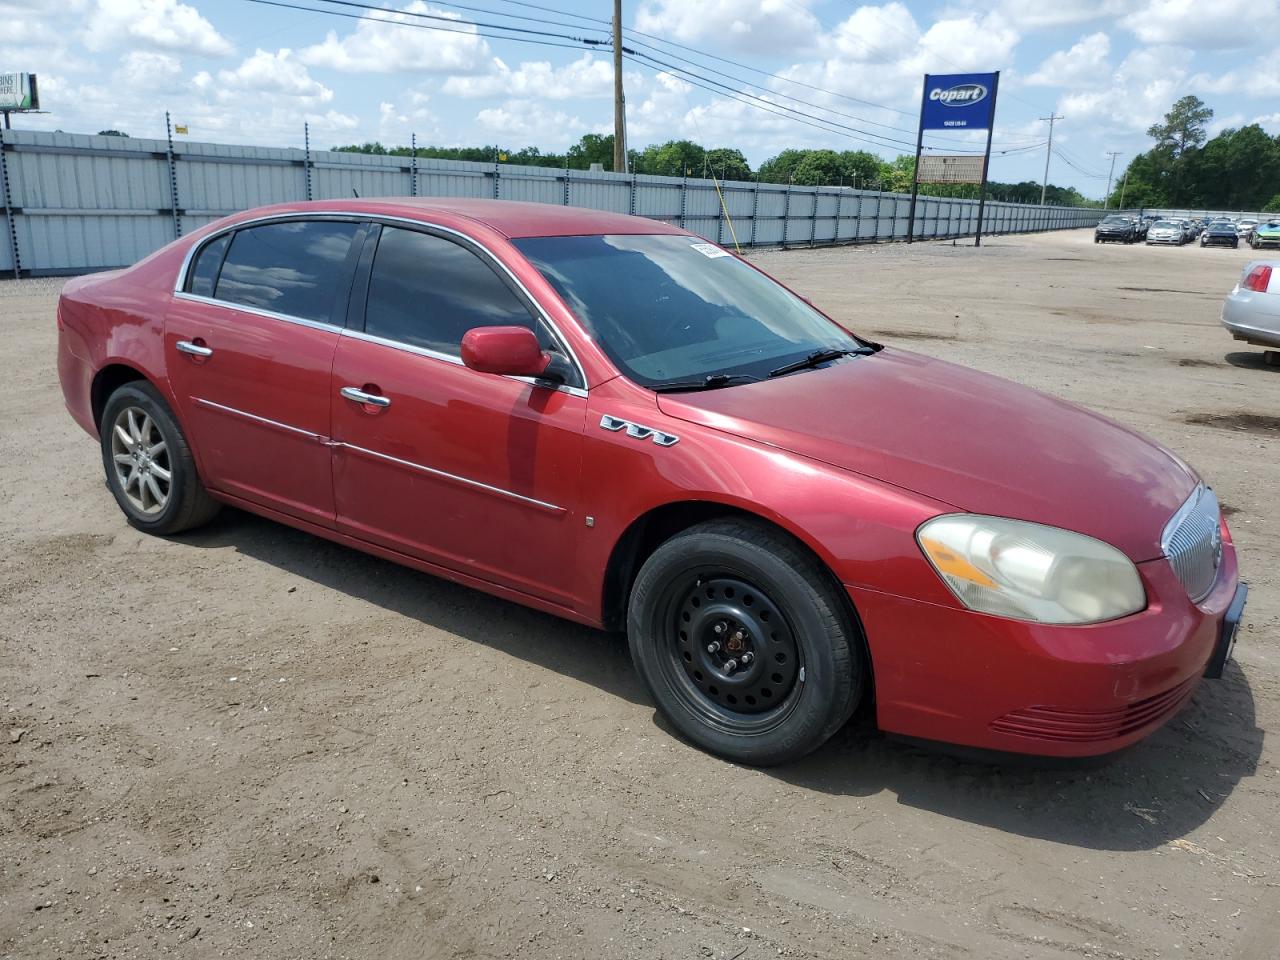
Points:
[(958, 101)]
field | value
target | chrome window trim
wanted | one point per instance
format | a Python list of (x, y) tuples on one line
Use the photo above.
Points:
[(259, 312), (262, 420), (364, 216), (456, 361), (467, 481)]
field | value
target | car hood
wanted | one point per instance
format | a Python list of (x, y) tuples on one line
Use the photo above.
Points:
[(1267, 231), (977, 442)]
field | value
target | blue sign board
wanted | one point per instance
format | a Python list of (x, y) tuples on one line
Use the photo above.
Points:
[(958, 101)]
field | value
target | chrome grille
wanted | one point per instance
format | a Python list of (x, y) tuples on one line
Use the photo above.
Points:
[(1192, 540)]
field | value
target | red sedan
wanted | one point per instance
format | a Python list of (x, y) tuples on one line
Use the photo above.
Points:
[(609, 419)]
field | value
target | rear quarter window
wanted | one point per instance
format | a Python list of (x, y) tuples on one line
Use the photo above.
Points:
[(204, 272)]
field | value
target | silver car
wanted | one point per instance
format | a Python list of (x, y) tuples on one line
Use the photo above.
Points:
[(1166, 231), (1252, 309)]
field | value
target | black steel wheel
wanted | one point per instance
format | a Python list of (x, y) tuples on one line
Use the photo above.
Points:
[(744, 643)]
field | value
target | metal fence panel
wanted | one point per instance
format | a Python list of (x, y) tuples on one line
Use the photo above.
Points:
[(86, 202)]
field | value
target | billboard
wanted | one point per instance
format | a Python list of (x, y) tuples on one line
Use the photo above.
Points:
[(936, 168), (18, 92), (958, 101)]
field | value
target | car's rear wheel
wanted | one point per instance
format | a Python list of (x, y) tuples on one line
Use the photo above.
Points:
[(744, 642), (149, 465)]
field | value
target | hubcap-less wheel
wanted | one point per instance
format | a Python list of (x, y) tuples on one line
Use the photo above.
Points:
[(140, 456), (732, 655)]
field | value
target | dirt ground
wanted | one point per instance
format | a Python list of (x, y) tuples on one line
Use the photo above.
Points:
[(249, 742)]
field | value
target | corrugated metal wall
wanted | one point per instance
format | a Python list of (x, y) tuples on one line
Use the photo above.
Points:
[(80, 203)]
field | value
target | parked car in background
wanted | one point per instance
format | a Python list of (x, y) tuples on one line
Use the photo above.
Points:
[(1188, 230), (1115, 229), (1266, 234), (1140, 226), (1220, 233), (612, 420), (1252, 309), (1168, 232), (1245, 226)]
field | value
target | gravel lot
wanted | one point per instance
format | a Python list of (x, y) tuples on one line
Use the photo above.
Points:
[(253, 743)]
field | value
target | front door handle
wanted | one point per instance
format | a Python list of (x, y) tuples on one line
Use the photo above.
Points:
[(359, 396), (195, 349)]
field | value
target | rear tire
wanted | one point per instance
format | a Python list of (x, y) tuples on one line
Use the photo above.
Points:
[(149, 466), (744, 642)]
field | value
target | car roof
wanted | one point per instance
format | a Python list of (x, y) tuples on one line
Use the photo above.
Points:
[(511, 218)]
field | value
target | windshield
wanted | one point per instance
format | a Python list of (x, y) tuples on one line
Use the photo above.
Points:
[(1120, 220), (1167, 225), (673, 308)]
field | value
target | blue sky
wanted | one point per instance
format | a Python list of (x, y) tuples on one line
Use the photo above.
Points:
[(240, 72)]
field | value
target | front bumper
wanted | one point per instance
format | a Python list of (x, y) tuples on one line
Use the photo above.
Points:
[(949, 674), (1219, 241), (1169, 240)]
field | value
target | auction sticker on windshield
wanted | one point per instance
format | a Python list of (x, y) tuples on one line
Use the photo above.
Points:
[(709, 250)]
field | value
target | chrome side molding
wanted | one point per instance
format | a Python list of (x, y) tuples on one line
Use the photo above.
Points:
[(638, 431)]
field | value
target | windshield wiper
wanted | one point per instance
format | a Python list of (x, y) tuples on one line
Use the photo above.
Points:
[(816, 358), (710, 382)]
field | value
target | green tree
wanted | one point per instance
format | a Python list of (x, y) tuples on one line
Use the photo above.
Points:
[(592, 148), (112, 133), (1183, 126), (727, 163), (675, 158), (1273, 205)]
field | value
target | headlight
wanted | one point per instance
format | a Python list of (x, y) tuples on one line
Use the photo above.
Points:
[(1028, 571)]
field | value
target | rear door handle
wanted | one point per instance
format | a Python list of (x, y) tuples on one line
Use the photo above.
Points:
[(359, 396), (195, 349)]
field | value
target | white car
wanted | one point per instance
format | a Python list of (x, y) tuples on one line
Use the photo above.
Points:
[(1252, 310), (1166, 231)]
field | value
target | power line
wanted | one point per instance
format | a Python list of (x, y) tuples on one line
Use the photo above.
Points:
[(391, 14)]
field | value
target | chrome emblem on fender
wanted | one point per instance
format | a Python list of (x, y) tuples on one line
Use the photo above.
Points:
[(638, 431)]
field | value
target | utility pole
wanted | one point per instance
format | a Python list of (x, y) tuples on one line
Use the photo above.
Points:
[(619, 101), (1044, 186), (1123, 187), (1106, 200)]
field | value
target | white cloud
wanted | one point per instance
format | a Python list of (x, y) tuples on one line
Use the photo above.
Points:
[(585, 77), (1137, 93), (278, 74), (1085, 64), (1256, 79), (384, 44), (1204, 24), (143, 71), (1269, 122), (159, 24), (751, 26), (526, 121), (1061, 13)]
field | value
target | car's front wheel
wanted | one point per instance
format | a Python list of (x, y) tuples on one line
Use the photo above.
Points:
[(149, 465), (744, 642)]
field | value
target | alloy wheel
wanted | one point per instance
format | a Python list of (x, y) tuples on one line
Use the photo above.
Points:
[(140, 457)]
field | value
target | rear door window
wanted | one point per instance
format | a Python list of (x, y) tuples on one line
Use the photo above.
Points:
[(427, 291), (296, 268)]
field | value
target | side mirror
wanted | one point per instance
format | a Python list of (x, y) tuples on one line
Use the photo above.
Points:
[(511, 351)]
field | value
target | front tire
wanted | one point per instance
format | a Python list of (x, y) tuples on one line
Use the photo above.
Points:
[(149, 466), (744, 642)]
